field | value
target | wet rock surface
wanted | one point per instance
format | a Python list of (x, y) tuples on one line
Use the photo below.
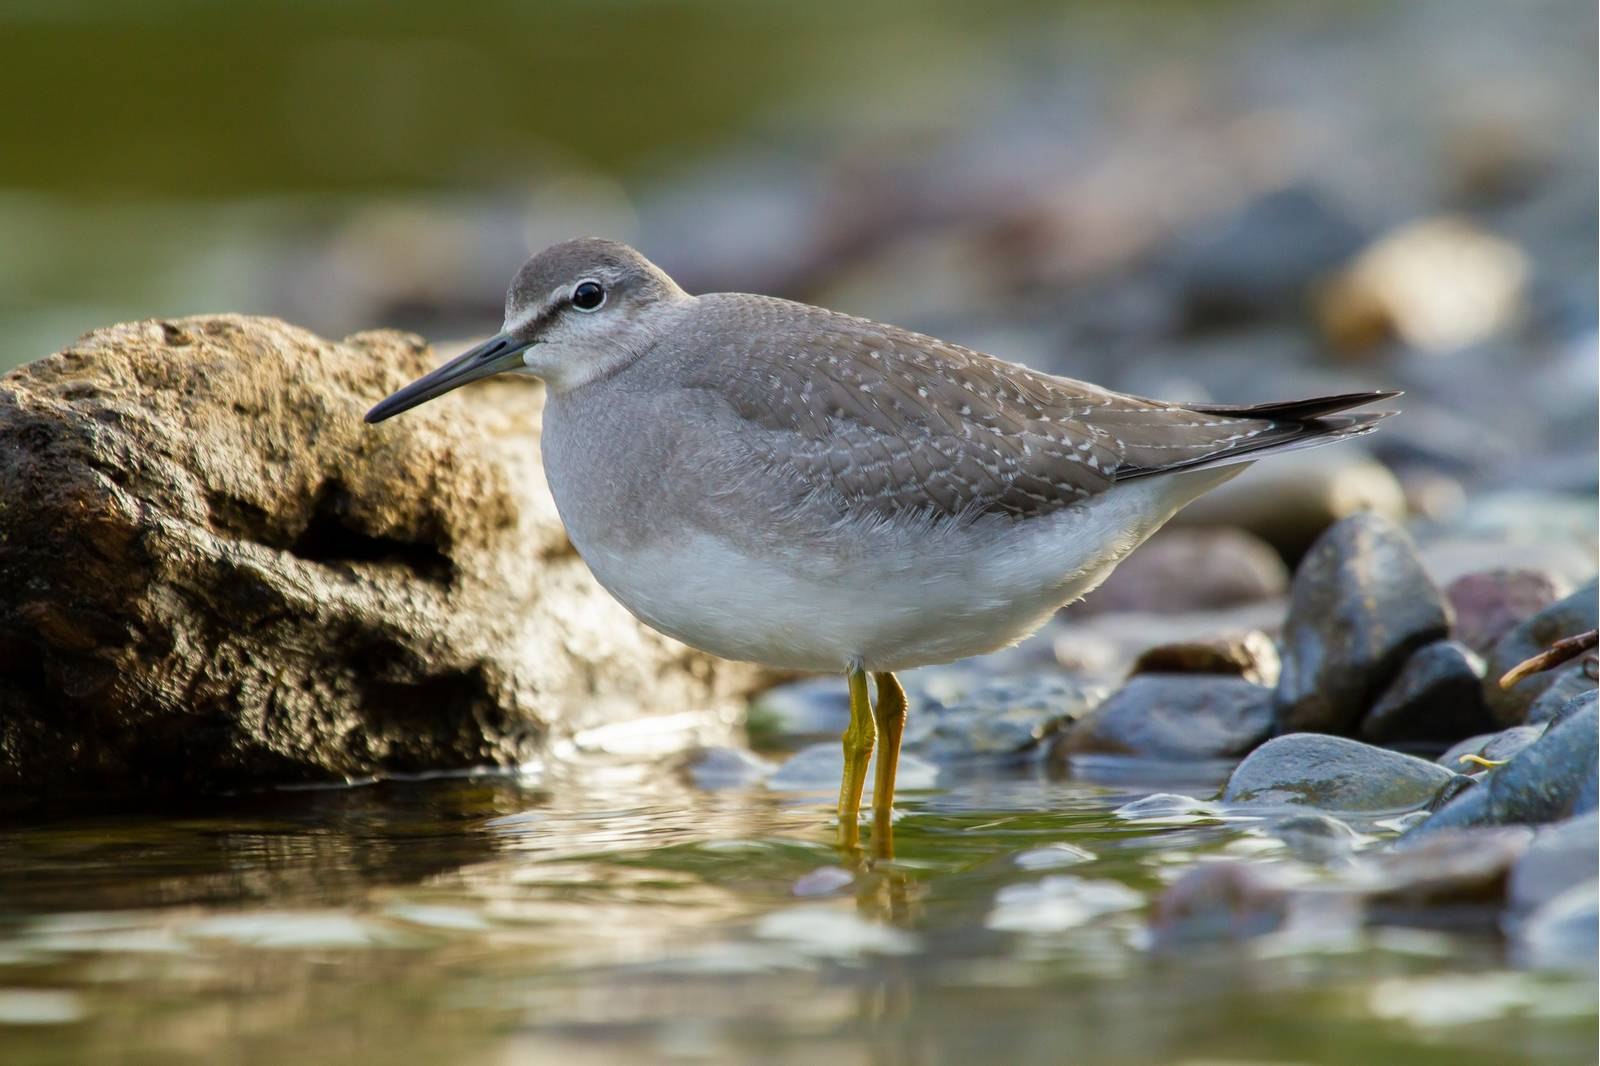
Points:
[(1174, 716), (1360, 604), (1438, 695), (1491, 747), (1551, 779), (1564, 618), (216, 576), (1334, 774)]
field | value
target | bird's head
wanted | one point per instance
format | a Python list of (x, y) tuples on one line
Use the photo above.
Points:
[(574, 312)]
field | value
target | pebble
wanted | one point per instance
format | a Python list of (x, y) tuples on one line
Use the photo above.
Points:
[(1220, 901), (1193, 570), (1336, 774), (1564, 934), (1452, 866), (1315, 837), (1493, 747), (1551, 779), (1570, 683), (1438, 695), (956, 717), (1174, 716), (1437, 284), (721, 767), (1564, 618), (1057, 903), (1562, 855), (1360, 604), (1292, 500), (818, 768), (1263, 260), (1250, 655), (1489, 603)]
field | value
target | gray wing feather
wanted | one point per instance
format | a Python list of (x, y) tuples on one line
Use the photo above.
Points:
[(896, 423)]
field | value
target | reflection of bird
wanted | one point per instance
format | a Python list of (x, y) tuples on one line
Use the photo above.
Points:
[(774, 482)]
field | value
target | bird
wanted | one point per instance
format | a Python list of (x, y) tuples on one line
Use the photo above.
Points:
[(778, 483)]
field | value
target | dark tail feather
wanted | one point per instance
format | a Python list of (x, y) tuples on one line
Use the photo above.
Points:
[(1297, 410), (1300, 424)]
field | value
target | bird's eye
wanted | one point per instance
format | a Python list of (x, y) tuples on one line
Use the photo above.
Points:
[(588, 295)]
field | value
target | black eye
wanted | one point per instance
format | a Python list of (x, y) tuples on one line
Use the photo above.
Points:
[(588, 295)]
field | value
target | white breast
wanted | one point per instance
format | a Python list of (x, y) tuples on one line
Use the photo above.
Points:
[(899, 598)]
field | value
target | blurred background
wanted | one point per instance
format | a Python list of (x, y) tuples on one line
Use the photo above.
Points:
[(1239, 200)]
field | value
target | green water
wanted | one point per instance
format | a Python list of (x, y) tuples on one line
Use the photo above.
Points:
[(610, 912)]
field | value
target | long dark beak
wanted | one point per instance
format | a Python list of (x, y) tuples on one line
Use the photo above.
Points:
[(500, 352)]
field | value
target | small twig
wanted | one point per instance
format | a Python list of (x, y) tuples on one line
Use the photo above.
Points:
[(1556, 654)]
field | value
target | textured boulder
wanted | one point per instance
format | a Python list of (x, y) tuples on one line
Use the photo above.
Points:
[(212, 574), (1360, 604)]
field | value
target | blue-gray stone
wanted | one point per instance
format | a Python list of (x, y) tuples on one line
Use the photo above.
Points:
[(1562, 855), (1570, 682), (1551, 779), (1564, 618), (1499, 746), (1336, 774), (1175, 716), (1438, 695)]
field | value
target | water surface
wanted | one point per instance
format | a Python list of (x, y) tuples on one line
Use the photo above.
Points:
[(610, 912)]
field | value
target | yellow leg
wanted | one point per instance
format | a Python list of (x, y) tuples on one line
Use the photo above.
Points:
[(857, 741), (890, 716)]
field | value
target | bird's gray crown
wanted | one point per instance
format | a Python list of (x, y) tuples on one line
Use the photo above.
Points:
[(546, 282)]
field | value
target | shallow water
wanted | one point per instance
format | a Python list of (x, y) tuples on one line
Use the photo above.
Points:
[(609, 912)]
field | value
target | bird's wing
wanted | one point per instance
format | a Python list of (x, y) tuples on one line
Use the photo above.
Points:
[(894, 422)]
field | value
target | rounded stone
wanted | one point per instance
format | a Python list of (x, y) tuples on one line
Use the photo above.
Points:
[(1551, 779), (1360, 605), (1334, 774), (1174, 716), (1489, 603), (1250, 655), (1438, 695), (1564, 618)]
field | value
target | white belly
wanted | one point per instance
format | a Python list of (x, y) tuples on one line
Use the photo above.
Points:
[(905, 599)]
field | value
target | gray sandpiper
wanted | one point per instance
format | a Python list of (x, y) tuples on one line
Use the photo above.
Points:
[(773, 482)]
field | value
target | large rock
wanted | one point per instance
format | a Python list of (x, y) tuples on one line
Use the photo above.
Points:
[(1564, 618), (1332, 773), (1360, 604), (212, 574)]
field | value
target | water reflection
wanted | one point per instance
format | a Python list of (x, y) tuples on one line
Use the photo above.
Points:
[(608, 912)]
